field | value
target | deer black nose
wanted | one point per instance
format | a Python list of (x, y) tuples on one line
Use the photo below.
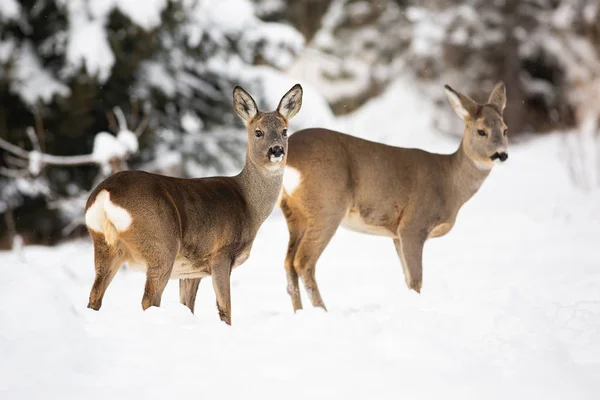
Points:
[(501, 156), (276, 151)]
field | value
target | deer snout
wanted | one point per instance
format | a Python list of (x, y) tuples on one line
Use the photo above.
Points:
[(275, 154), (502, 156)]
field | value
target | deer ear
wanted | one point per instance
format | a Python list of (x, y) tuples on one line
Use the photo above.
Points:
[(243, 104), (498, 97), (291, 102), (462, 104)]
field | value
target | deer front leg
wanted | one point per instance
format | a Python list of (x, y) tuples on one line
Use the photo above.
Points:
[(293, 287), (188, 288), (157, 277), (410, 251), (221, 278)]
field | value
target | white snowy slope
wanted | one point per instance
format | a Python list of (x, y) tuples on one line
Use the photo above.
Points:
[(510, 306)]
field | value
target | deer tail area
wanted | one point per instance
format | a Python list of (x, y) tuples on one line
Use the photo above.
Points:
[(107, 218)]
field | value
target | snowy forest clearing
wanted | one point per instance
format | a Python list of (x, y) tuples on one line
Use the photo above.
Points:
[(510, 308), (510, 304)]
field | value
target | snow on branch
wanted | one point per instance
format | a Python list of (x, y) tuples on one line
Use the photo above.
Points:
[(109, 151), (87, 39)]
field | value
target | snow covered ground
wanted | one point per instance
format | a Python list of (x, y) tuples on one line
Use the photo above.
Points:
[(510, 306)]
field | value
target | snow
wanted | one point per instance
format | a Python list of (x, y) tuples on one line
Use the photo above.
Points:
[(9, 10), (156, 75), (35, 163), (107, 147), (427, 33), (228, 15), (590, 12), (31, 82), (401, 116), (128, 140), (218, 20), (314, 111), (564, 16), (510, 306), (87, 43), (191, 123), (277, 43), (146, 13), (431, 28), (351, 76), (266, 7), (6, 50)]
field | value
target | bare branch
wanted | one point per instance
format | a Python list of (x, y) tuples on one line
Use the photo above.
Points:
[(15, 161), (48, 158), (16, 150), (74, 224), (34, 139), (68, 160), (142, 126), (39, 130), (39, 158), (14, 173), (112, 122), (135, 109), (120, 118)]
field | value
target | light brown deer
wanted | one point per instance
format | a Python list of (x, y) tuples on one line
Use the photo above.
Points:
[(191, 228), (409, 195)]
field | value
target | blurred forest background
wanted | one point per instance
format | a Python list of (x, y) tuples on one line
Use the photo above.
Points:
[(92, 87)]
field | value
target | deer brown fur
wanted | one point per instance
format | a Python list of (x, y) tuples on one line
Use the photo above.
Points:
[(408, 195), (191, 228)]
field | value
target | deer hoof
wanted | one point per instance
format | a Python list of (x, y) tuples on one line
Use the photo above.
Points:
[(415, 285)]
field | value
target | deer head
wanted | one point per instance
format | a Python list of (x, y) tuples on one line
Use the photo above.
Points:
[(267, 131), (484, 139)]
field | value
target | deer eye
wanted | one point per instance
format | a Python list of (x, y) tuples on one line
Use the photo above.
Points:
[(259, 133), (481, 132), (284, 133)]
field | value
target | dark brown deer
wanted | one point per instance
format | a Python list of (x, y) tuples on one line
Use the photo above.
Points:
[(191, 228)]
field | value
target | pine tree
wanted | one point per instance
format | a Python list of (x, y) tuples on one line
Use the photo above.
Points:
[(67, 63)]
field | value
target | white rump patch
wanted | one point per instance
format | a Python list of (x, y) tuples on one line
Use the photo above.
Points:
[(94, 216), (103, 209), (291, 179)]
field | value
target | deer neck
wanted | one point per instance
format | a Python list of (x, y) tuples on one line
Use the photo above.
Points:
[(467, 175), (261, 189)]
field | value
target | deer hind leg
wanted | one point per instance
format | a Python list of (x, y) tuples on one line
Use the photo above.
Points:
[(312, 244), (293, 287), (107, 261), (187, 292), (221, 278), (410, 250), (296, 233)]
